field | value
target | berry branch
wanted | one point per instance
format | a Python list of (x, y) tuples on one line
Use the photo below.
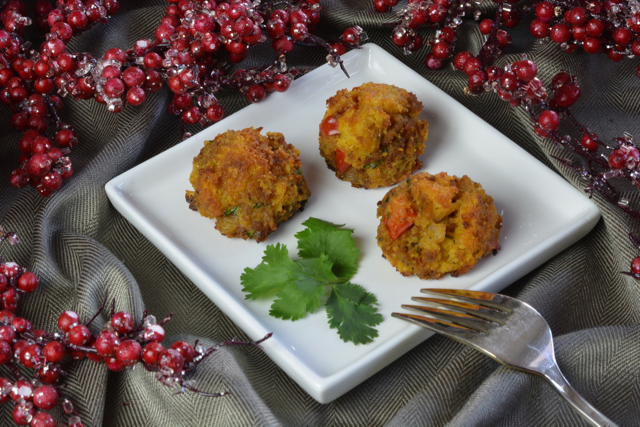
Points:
[(195, 51), (120, 344)]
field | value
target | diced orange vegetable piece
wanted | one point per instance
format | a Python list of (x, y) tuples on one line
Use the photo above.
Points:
[(401, 216), (329, 127), (341, 163)]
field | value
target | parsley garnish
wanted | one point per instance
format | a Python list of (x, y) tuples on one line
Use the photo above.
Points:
[(328, 259)]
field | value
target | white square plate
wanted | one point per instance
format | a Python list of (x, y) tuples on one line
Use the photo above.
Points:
[(543, 215)]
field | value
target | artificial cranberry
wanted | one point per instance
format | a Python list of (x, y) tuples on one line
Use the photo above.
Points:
[(283, 45), (192, 115), (49, 374), (136, 96), (539, 29), (43, 419), (151, 353), (115, 54), (477, 79), (53, 351), (106, 343), (215, 112), (113, 364), (508, 81), (281, 82), (6, 316), (171, 359), (635, 266), (617, 159), (560, 33), (185, 349), (30, 356), (28, 282), (45, 397), (460, 59), (351, 36), (7, 333), (122, 322), (592, 45), (38, 165), (154, 333), (22, 389), (79, 335), (6, 352), (545, 11), (526, 70), (549, 120), (114, 87), (21, 325), (577, 16), (566, 95), (623, 36), (23, 413), (595, 28), (441, 50), (68, 319), (256, 93), (129, 352)]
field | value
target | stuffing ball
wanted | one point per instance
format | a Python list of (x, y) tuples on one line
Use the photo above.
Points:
[(247, 182), (371, 135), (431, 225)]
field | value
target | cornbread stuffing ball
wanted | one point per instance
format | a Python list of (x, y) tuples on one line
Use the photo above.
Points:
[(247, 182), (431, 225), (371, 135)]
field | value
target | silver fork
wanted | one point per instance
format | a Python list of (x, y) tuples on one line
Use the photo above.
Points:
[(507, 330)]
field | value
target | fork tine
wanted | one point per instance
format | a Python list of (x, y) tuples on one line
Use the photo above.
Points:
[(487, 299), (453, 318), (486, 313), (440, 326)]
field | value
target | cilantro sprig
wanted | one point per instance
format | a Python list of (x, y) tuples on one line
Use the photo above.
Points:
[(328, 259)]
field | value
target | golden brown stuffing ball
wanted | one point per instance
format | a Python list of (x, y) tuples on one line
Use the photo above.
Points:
[(248, 182), (431, 225), (371, 135)]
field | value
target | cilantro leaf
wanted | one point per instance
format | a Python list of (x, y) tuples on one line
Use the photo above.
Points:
[(304, 292), (353, 312), (328, 259), (322, 237), (273, 273)]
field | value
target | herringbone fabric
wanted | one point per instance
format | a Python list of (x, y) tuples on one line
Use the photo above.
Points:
[(79, 246)]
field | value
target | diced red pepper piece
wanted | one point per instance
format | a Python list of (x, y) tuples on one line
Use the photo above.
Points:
[(329, 127), (401, 216), (341, 163)]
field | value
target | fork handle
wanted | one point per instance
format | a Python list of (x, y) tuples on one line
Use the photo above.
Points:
[(579, 404)]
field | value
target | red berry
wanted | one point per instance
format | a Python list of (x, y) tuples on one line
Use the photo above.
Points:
[(617, 159), (185, 349), (129, 352), (635, 266), (43, 419), (67, 319), (526, 70), (53, 351), (560, 33), (545, 11), (122, 322), (22, 389), (79, 335), (45, 397), (107, 343), (154, 333), (152, 352), (6, 352), (28, 282), (31, 356), (549, 120), (171, 359), (23, 413)]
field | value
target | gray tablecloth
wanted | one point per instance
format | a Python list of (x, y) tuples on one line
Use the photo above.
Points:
[(80, 246)]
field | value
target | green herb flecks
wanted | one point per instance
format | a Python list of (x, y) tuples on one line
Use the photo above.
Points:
[(328, 259)]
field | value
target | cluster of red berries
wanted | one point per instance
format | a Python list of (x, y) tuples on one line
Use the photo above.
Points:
[(119, 345), (192, 52), (596, 26)]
